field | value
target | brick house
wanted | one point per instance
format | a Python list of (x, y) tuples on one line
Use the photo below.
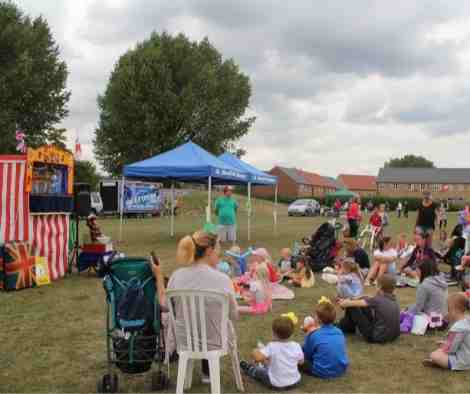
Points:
[(443, 183), (294, 183), (363, 185)]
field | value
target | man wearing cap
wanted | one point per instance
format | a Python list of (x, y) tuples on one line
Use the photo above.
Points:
[(427, 216), (226, 210)]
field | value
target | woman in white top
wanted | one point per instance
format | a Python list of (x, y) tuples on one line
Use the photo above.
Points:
[(385, 259), (201, 252)]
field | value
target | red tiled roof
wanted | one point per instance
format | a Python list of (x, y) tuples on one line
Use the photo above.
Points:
[(314, 179), (358, 182)]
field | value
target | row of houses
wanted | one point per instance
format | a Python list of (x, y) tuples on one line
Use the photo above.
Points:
[(444, 183)]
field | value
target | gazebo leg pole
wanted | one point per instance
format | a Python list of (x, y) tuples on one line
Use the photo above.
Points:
[(172, 218), (209, 201), (249, 211), (275, 210), (121, 213)]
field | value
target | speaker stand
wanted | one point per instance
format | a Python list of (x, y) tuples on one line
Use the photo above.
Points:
[(73, 255)]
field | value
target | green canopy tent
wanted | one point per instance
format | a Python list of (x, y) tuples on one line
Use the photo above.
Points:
[(341, 194)]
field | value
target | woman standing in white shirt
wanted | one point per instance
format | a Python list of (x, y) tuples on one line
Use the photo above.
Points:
[(385, 259)]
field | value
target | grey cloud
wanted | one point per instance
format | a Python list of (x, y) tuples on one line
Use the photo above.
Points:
[(234, 14), (106, 24), (440, 108), (308, 61), (372, 37)]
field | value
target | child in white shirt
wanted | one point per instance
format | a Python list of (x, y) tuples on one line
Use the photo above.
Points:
[(285, 263), (280, 359), (385, 259)]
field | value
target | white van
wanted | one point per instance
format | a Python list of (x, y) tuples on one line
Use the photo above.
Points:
[(96, 203)]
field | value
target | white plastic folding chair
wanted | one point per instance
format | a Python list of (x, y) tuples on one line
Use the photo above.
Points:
[(190, 328)]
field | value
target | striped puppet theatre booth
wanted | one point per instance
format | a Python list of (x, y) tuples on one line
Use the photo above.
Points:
[(36, 201)]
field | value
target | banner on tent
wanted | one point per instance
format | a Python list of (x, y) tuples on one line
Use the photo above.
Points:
[(141, 197), (263, 179), (230, 173)]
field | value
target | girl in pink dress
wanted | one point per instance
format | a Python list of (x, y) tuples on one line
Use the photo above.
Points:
[(259, 295)]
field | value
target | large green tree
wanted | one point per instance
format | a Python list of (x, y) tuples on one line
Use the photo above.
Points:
[(166, 91), (85, 171), (33, 95), (410, 161)]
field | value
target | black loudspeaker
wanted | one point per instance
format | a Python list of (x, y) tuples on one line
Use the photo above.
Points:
[(82, 199), (82, 204), (109, 195), (81, 187)]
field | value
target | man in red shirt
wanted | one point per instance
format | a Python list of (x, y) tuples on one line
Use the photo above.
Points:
[(354, 216)]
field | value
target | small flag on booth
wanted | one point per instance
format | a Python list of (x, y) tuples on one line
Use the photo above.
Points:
[(78, 149), (20, 141)]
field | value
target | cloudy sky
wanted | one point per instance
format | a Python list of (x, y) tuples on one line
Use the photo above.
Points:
[(338, 86)]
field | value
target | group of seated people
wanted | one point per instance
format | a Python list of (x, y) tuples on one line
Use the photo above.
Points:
[(323, 354)]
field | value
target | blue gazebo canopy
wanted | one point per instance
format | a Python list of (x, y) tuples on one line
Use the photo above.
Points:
[(256, 177), (187, 163)]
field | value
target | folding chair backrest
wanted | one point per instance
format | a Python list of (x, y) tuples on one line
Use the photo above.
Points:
[(189, 320)]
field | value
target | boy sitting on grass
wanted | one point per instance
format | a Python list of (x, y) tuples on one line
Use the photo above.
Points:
[(324, 347), (377, 318), (280, 358)]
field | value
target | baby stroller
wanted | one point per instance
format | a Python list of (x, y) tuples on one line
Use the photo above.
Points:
[(321, 247), (134, 335)]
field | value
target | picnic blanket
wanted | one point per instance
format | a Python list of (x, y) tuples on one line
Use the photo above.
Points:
[(281, 292)]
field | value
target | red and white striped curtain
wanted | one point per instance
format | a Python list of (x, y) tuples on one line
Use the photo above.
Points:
[(14, 201), (50, 239)]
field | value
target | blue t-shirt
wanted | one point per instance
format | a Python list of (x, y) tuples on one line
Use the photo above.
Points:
[(325, 350), (349, 286)]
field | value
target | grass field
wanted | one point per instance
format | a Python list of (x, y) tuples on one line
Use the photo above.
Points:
[(52, 338)]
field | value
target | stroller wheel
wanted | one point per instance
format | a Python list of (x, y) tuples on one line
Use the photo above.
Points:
[(108, 384), (160, 381)]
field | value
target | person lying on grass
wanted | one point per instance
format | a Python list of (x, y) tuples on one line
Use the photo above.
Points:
[(279, 359), (377, 318), (454, 353), (324, 345), (385, 258)]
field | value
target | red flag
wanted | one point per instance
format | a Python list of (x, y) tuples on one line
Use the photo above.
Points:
[(78, 149)]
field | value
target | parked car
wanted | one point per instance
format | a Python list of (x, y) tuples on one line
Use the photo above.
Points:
[(96, 203), (304, 207)]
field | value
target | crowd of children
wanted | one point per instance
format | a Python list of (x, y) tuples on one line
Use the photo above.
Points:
[(280, 364)]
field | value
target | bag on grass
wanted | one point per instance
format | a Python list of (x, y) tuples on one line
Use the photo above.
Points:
[(406, 322), (420, 324)]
